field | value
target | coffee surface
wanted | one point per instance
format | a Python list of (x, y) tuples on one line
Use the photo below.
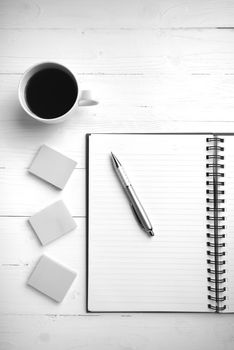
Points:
[(50, 93)]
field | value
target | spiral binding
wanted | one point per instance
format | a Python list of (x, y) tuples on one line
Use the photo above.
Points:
[(216, 226)]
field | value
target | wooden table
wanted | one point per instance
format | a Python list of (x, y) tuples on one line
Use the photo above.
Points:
[(155, 66)]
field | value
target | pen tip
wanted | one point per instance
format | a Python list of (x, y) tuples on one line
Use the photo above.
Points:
[(116, 162), (151, 232), (113, 156)]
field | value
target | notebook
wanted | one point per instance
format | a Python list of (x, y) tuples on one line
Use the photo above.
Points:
[(186, 185)]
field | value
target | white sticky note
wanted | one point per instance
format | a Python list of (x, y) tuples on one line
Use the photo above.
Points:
[(51, 278), (52, 222), (52, 166)]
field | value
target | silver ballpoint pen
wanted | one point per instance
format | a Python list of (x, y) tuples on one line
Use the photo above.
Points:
[(132, 196)]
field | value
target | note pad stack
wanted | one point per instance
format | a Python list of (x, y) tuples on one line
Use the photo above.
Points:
[(186, 184)]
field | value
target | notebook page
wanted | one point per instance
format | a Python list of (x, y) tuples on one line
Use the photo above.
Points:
[(229, 220), (128, 270)]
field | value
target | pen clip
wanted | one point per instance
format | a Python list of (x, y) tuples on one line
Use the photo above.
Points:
[(136, 215)]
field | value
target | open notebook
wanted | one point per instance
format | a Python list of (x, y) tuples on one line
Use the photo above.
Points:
[(186, 184)]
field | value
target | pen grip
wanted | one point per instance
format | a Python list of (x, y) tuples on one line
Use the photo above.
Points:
[(138, 208)]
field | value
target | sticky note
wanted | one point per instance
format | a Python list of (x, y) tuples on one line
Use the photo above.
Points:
[(51, 278), (52, 222), (52, 166)]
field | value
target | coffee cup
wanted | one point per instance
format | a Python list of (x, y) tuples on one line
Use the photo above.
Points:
[(49, 91)]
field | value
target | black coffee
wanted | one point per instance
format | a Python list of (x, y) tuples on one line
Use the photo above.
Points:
[(51, 93)]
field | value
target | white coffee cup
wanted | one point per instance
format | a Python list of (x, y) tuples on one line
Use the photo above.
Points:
[(82, 99)]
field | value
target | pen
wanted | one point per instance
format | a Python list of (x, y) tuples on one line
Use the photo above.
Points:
[(132, 196)]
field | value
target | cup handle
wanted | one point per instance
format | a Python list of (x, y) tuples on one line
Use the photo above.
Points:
[(85, 99)]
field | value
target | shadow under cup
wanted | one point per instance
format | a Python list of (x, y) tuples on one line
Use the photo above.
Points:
[(50, 91)]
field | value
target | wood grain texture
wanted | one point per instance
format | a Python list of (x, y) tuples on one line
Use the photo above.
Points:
[(155, 66), (151, 52), (115, 332), (59, 15), (23, 194), (18, 261)]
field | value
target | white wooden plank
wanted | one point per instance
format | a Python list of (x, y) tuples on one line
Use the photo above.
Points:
[(20, 250), (24, 194), (172, 96), (111, 14), (19, 145), (148, 332), (20, 140), (151, 52)]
